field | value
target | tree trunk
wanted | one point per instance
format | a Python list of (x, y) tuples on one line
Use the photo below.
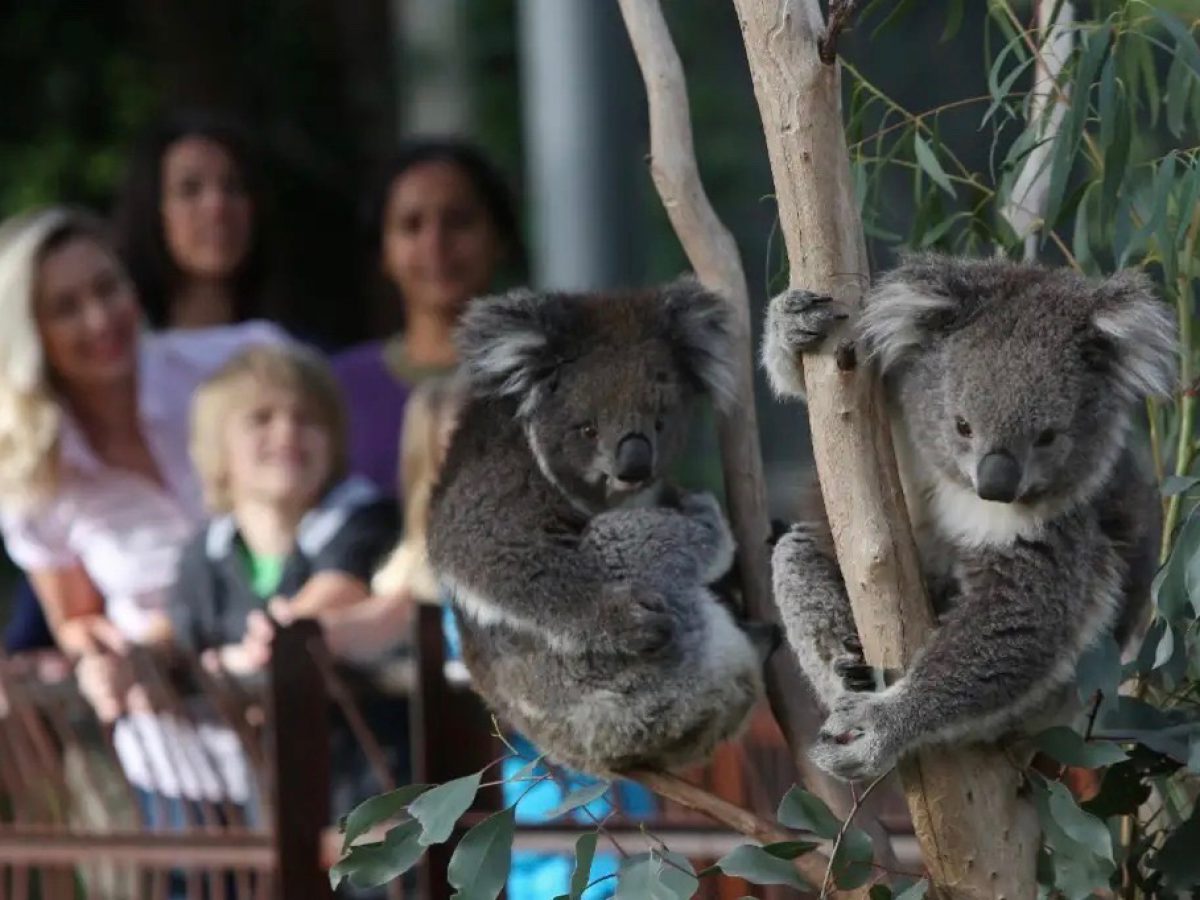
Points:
[(978, 837), (714, 255)]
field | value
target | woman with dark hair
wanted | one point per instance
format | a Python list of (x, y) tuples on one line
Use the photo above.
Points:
[(187, 223), (442, 222)]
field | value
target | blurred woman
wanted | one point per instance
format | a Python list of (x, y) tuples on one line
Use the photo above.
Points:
[(445, 223), (97, 494), (188, 223)]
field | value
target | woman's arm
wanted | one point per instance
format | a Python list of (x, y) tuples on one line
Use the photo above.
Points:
[(75, 611)]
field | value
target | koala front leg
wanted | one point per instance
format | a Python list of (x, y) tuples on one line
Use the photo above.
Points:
[(1023, 618), (816, 613), (798, 322), (689, 545)]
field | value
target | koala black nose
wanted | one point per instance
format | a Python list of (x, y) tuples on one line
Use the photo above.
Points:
[(998, 477), (635, 458)]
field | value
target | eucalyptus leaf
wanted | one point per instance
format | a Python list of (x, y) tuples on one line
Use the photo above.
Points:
[(928, 161), (439, 808), (1179, 84), (377, 863), (807, 812), (1067, 144), (1178, 484), (1080, 825), (1185, 44), (585, 853), (650, 877), (378, 809), (1178, 860), (790, 849), (480, 863), (916, 891), (853, 859), (759, 867), (526, 771), (1068, 747), (581, 796)]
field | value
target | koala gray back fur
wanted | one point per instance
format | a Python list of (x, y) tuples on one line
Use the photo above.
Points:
[(583, 605), (1011, 389)]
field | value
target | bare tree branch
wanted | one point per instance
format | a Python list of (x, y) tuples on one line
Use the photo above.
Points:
[(715, 257), (978, 836)]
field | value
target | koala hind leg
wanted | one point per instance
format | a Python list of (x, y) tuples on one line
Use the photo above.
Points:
[(816, 614)]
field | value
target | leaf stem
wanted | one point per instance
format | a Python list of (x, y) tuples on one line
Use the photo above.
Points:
[(858, 802)]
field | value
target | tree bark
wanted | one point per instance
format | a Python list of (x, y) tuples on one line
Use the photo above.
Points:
[(978, 837), (714, 255)]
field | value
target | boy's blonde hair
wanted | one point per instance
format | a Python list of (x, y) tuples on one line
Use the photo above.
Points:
[(289, 367), (430, 417)]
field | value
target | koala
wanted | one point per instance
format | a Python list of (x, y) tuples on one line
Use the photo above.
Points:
[(579, 578), (1010, 390)]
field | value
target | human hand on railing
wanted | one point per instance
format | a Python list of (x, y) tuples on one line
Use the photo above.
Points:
[(105, 680), (249, 655)]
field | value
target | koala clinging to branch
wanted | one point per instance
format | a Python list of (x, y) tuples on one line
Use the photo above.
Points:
[(579, 581), (1011, 389)]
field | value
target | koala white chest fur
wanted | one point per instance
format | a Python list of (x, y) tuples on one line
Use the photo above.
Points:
[(1011, 388), (580, 579)]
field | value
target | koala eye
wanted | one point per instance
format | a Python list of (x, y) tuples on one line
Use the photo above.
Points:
[(962, 426), (1045, 438), (659, 424), (589, 431)]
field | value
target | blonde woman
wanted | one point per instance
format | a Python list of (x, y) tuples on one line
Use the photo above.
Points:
[(97, 494)]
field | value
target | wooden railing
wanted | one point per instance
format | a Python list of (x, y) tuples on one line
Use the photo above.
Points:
[(70, 825)]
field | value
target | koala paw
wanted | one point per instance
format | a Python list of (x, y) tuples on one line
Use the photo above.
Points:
[(852, 667), (859, 739), (703, 508), (645, 626), (797, 322)]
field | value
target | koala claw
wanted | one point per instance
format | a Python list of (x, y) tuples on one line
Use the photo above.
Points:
[(800, 320), (857, 741)]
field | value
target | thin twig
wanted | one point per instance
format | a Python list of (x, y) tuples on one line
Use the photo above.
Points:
[(837, 843), (675, 789)]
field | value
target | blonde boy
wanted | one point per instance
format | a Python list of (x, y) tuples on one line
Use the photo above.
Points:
[(269, 442)]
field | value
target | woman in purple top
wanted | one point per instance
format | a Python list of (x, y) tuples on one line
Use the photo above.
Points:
[(445, 223)]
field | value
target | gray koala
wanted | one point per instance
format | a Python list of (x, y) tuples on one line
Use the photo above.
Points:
[(580, 580), (1010, 391)]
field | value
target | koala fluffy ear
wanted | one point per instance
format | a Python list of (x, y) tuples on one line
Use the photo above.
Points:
[(1136, 339), (919, 297), (700, 326), (507, 342)]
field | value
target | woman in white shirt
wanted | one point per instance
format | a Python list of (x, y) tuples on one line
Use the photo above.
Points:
[(97, 494)]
